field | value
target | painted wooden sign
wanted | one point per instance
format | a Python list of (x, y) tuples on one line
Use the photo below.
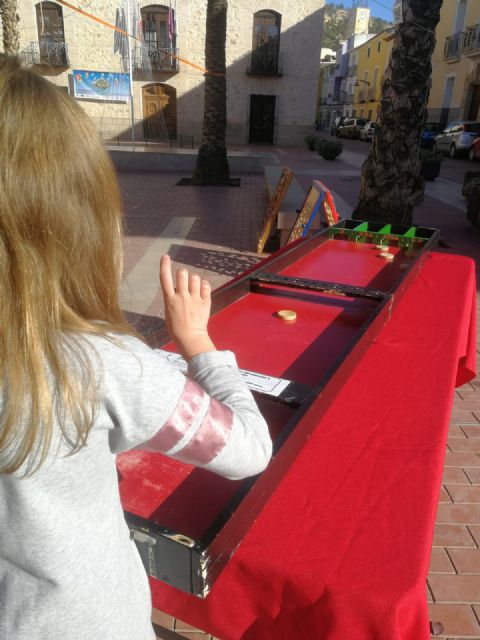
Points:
[(274, 207), (319, 199)]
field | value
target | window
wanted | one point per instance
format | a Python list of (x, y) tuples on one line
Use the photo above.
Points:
[(266, 42), (379, 45), (158, 23), (158, 26), (368, 52), (460, 17), (51, 36)]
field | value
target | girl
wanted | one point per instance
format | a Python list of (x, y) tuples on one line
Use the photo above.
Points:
[(79, 386)]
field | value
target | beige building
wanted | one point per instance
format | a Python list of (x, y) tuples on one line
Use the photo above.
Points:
[(455, 91), (273, 58)]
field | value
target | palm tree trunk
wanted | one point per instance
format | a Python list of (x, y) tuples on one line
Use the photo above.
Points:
[(391, 182), (11, 41), (212, 165)]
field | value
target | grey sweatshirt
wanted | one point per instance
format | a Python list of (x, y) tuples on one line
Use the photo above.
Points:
[(68, 568)]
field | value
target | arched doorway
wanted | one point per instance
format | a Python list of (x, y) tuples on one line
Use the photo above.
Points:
[(159, 112)]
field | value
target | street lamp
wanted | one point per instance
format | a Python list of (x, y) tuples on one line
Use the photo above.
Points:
[(360, 80)]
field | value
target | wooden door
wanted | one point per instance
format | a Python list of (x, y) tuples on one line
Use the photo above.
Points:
[(474, 111), (159, 112), (262, 119)]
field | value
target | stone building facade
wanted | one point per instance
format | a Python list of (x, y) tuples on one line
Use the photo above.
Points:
[(272, 53)]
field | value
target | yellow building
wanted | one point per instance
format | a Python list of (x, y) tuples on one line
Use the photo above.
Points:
[(373, 57), (455, 91)]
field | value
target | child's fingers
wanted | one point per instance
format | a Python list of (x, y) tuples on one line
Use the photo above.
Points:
[(205, 290), (166, 279), (182, 281), (194, 284)]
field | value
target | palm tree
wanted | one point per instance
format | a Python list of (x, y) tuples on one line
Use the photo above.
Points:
[(8, 11), (391, 182), (212, 165)]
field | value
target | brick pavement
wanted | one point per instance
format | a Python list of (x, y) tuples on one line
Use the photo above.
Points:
[(220, 244)]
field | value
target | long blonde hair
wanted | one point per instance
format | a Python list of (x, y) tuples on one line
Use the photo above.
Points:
[(60, 264)]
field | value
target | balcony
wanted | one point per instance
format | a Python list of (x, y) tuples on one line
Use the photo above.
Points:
[(154, 59), (264, 62), (471, 40), (54, 54), (453, 46)]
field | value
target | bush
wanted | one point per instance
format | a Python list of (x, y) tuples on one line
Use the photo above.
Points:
[(471, 193), (329, 149), (427, 156), (310, 141), (431, 163), (467, 178)]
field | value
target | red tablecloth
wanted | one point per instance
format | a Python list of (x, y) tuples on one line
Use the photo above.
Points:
[(341, 550)]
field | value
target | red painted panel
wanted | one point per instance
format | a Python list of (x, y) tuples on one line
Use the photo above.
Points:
[(353, 263), (302, 350)]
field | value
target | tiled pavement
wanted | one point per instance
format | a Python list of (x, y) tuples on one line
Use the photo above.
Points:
[(218, 241)]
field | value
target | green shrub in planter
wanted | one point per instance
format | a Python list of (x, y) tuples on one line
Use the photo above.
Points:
[(329, 149), (310, 141), (471, 193), (467, 178), (431, 163)]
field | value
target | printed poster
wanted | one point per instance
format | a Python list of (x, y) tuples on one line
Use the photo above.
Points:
[(101, 85)]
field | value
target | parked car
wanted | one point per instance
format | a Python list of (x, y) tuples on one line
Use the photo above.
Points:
[(457, 138), (474, 153), (335, 124), (367, 132), (429, 133), (350, 128)]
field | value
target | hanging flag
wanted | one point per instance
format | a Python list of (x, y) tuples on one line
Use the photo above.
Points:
[(120, 41), (136, 21), (170, 22)]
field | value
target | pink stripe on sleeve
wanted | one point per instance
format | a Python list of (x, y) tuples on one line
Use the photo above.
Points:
[(211, 437), (181, 419)]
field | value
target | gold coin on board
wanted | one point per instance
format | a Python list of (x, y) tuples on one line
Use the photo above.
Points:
[(287, 315), (387, 256)]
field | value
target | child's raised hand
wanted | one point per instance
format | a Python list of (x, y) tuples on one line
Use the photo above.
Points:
[(187, 309)]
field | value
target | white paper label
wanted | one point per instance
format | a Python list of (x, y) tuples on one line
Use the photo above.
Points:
[(255, 381)]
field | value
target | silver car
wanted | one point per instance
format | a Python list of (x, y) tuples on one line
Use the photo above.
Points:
[(368, 131), (350, 128), (457, 138)]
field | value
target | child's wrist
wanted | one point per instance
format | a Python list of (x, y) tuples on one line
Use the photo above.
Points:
[(196, 345)]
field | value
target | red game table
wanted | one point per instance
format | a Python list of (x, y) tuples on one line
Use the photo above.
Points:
[(341, 550)]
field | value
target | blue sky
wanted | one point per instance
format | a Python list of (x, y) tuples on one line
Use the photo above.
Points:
[(378, 8)]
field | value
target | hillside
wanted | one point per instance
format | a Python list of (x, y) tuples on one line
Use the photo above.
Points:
[(335, 21)]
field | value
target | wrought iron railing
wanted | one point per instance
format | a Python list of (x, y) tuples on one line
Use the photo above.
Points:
[(54, 54), (155, 59), (471, 41), (265, 62), (453, 45), (342, 97)]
